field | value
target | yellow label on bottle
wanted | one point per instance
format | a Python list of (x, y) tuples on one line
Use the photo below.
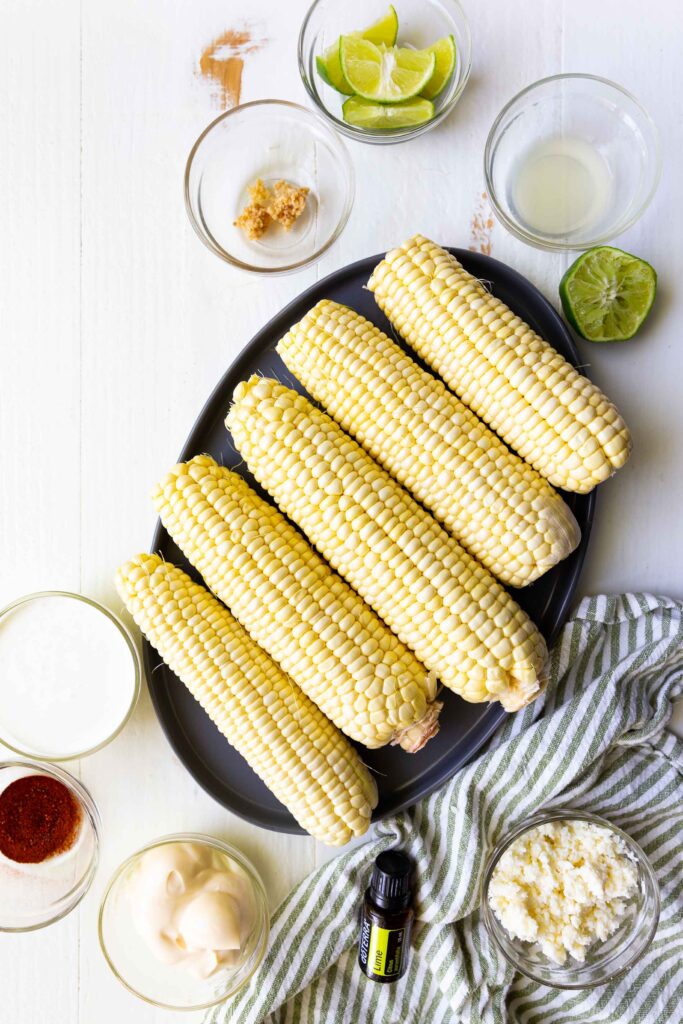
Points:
[(385, 954)]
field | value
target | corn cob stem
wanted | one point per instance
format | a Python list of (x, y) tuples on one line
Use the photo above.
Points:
[(459, 621), (290, 601), (504, 512), (540, 405), (306, 762)]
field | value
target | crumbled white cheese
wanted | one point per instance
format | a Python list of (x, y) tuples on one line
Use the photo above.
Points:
[(564, 885)]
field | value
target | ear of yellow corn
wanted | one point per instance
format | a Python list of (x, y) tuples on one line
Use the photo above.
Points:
[(540, 405), (300, 611), (460, 622), (502, 510), (306, 762)]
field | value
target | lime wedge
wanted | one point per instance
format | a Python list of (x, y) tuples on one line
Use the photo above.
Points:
[(385, 116), (383, 73), (383, 31), (607, 294), (444, 52), (329, 69)]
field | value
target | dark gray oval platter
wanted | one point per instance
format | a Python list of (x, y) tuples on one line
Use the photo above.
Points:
[(402, 778)]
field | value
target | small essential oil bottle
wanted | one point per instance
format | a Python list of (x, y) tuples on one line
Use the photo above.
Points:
[(387, 918)]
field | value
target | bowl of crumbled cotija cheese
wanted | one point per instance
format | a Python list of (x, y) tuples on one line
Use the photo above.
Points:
[(570, 899), (269, 186)]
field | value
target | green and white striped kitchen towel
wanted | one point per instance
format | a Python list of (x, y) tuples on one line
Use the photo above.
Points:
[(599, 743)]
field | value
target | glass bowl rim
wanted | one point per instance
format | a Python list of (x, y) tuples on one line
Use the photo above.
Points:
[(223, 847), (340, 151), (394, 135), (541, 241), (562, 813), (69, 900), (137, 666)]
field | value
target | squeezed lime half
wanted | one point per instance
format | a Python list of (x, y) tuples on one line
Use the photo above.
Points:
[(385, 74), (444, 53), (385, 116), (607, 294), (384, 31)]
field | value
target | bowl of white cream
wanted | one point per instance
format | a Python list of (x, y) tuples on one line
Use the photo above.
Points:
[(70, 677), (569, 899), (184, 922)]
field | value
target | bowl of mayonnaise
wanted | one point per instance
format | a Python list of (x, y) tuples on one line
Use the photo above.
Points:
[(184, 922)]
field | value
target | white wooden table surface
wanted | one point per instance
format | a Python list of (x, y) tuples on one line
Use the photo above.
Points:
[(115, 323)]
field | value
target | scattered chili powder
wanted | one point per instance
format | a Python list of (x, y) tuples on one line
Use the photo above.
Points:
[(222, 63), (39, 817), (482, 226)]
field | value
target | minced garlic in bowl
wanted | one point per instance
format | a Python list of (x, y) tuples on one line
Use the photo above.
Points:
[(570, 899)]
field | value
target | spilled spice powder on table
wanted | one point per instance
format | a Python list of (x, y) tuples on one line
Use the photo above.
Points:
[(222, 63), (482, 226), (39, 818)]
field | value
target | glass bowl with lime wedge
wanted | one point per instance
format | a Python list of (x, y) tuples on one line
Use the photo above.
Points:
[(385, 73)]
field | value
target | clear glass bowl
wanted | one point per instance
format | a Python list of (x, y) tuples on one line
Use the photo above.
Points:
[(108, 731), (604, 961), (268, 139), (171, 987), (420, 23), (35, 895), (602, 159)]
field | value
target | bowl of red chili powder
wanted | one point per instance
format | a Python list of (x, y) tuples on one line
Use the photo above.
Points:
[(49, 844)]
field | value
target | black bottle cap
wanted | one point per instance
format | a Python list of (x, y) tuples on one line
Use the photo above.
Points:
[(390, 884)]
